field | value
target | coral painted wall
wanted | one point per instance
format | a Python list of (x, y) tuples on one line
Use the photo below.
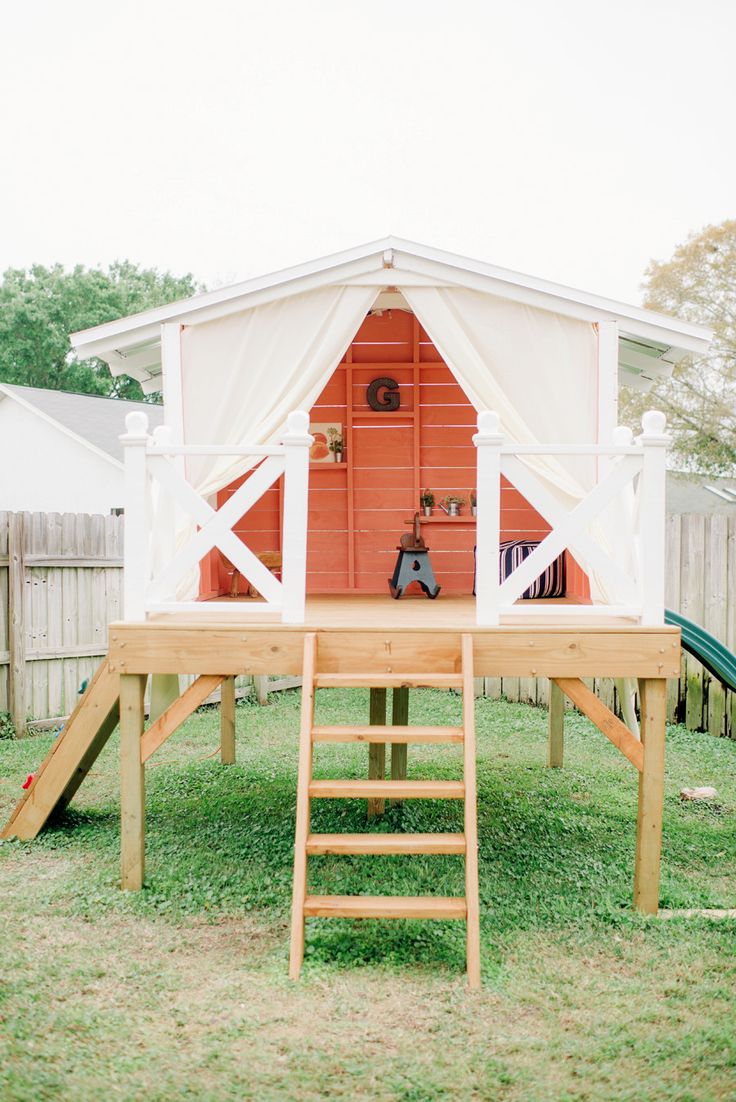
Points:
[(358, 508)]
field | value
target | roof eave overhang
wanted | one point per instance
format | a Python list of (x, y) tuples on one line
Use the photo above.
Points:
[(131, 345)]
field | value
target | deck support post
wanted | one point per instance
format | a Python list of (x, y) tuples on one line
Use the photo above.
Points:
[(132, 782), (227, 721), (653, 695), (399, 750), (376, 750), (556, 727)]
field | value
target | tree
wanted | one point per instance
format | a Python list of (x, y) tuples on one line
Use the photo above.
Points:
[(698, 284), (40, 307)]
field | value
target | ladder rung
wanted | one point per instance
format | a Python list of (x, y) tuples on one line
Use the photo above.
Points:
[(389, 790), (388, 680), (378, 906), (385, 843), (425, 735)]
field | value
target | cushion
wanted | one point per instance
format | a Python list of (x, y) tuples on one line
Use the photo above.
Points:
[(551, 583)]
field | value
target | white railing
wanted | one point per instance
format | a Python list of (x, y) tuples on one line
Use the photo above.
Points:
[(155, 567), (170, 527), (620, 464)]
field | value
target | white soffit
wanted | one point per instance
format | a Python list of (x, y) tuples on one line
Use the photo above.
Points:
[(650, 343)]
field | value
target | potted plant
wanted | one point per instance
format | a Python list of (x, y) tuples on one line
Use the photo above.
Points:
[(473, 504), (451, 504), (335, 444), (426, 500)]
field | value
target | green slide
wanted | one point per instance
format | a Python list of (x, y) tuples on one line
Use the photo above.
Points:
[(717, 659)]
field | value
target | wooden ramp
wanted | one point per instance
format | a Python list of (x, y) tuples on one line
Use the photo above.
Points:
[(70, 758)]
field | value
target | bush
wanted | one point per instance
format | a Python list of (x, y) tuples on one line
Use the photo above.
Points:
[(7, 727)]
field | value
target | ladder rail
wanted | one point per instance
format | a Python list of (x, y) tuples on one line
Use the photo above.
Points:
[(299, 885), (470, 812)]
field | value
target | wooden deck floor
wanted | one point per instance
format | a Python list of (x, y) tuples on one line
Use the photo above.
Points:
[(411, 635), (364, 610)]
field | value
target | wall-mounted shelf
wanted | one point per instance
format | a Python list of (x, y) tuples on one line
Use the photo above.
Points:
[(445, 520), (328, 466)]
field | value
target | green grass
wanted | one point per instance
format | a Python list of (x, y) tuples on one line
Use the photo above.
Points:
[(179, 991)]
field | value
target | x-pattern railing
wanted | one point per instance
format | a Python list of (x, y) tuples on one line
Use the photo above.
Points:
[(620, 463), (157, 463)]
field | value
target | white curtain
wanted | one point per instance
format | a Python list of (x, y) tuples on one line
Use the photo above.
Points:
[(539, 372), (242, 375)]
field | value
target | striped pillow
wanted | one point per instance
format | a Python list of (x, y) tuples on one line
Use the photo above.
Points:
[(551, 583)]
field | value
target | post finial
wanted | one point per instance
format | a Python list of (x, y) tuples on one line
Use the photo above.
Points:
[(163, 435), (489, 428), (653, 422), (622, 435), (136, 424), (297, 422), (489, 423)]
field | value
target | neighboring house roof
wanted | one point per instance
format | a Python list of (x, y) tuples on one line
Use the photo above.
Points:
[(649, 345), (96, 422), (688, 493)]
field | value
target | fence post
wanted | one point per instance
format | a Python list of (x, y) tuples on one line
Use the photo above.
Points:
[(652, 512), (17, 622), (135, 541), (488, 441), (297, 442)]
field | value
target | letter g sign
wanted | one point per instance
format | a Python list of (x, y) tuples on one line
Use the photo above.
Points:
[(383, 395)]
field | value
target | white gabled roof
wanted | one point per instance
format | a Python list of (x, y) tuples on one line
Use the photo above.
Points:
[(649, 345), (95, 422)]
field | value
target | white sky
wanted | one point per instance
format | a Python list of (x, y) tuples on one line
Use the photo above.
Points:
[(572, 139)]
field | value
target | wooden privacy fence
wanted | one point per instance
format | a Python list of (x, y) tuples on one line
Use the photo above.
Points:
[(61, 584), (700, 583)]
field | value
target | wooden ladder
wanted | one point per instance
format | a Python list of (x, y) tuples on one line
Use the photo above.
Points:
[(308, 845)]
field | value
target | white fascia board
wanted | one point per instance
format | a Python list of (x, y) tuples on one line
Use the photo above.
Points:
[(62, 428), (634, 321), (438, 268), (140, 328)]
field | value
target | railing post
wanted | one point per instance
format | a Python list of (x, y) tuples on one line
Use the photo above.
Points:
[(163, 516), (297, 442), (135, 541), (488, 441), (652, 515)]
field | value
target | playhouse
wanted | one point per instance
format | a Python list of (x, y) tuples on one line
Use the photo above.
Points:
[(310, 417)]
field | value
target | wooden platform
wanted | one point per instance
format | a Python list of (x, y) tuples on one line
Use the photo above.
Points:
[(370, 641), (412, 635)]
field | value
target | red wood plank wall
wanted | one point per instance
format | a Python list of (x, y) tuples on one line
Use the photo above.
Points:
[(357, 508)]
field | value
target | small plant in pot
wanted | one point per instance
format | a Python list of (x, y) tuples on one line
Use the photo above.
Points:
[(335, 444), (426, 500), (473, 504), (451, 504)]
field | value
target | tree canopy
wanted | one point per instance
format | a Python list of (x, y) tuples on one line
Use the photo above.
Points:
[(40, 307), (698, 284)]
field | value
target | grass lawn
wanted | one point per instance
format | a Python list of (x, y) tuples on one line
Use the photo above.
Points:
[(180, 991)]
